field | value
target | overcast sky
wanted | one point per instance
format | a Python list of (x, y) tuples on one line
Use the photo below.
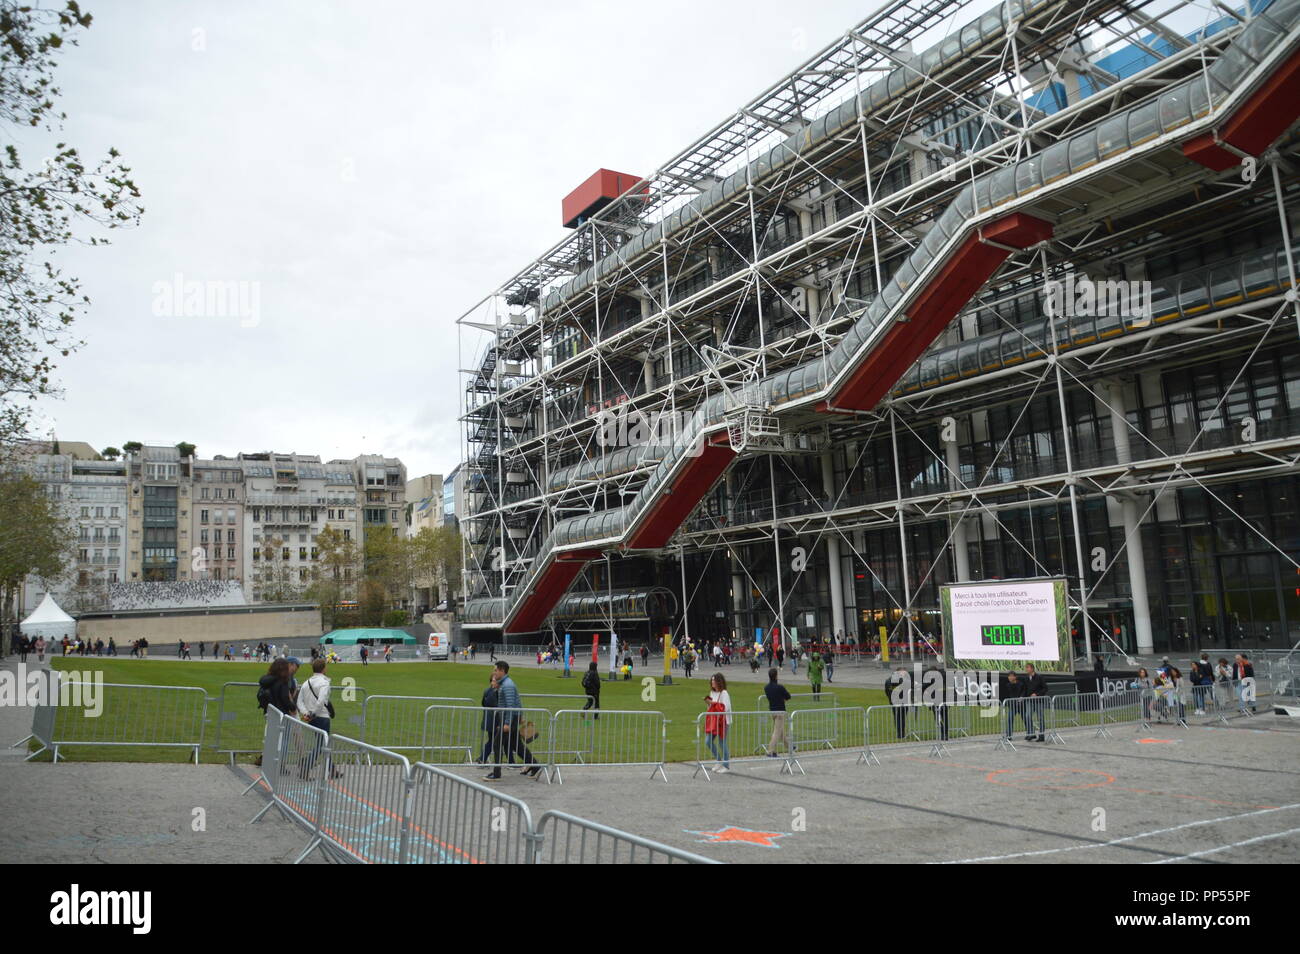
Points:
[(371, 170)]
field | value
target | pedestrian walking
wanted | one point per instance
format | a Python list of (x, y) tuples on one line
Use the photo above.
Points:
[(1244, 673), (1202, 679), (1182, 693), (718, 721), (1146, 687), (591, 685), (815, 669), (315, 708), (645, 655), (895, 692), (491, 717), (509, 738), (1013, 695), (777, 696), (1035, 704)]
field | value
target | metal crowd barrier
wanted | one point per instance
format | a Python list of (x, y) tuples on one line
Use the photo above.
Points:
[(457, 821), (397, 722), (363, 812), (294, 757), (363, 803), (567, 839), (607, 737), (128, 716), (830, 731), (237, 728), (456, 735), (555, 701), (802, 700), (935, 725)]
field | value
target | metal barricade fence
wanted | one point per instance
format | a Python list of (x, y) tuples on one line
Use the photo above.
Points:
[(42, 729), (240, 723), (364, 810), (298, 754), (744, 736), (457, 821), (122, 715), (272, 734), (802, 700), (364, 803), (829, 731), (455, 735), (607, 737), (567, 839), (397, 722), (935, 725), (555, 701)]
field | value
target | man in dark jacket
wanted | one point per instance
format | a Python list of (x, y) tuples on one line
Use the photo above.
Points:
[(591, 685), (1013, 694), (508, 724), (777, 696), (491, 717), (1035, 704), (896, 689)]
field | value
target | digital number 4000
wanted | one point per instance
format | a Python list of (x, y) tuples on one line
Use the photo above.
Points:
[(1002, 635)]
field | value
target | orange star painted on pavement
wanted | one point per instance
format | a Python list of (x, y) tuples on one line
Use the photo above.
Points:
[(744, 836), (1158, 741)]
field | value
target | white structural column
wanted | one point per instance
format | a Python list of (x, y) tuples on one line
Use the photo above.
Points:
[(1131, 513), (960, 549), (812, 294), (833, 565), (739, 587)]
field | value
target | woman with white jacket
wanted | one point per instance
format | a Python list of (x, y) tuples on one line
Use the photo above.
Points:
[(718, 721)]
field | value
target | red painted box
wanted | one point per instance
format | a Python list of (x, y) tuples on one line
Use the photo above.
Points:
[(597, 192)]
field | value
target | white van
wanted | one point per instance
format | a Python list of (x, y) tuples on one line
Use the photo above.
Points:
[(439, 644)]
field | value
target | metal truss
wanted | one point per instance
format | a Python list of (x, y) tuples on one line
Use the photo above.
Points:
[(774, 276)]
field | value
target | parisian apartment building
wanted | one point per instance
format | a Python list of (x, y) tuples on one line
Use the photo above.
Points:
[(252, 519)]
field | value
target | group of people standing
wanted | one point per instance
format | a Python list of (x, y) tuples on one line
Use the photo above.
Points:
[(1168, 692), (310, 702)]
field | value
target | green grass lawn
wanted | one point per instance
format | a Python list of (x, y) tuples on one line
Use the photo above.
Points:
[(680, 703)]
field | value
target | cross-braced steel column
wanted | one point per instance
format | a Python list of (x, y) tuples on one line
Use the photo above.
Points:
[(1131, 513), (834, 567)]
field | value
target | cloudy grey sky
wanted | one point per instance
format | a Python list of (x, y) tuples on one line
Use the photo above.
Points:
[(375, 168)]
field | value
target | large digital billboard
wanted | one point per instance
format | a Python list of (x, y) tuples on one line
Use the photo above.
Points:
[(1004, 624)]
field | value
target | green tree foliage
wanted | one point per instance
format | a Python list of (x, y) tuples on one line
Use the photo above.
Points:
[(388, 563), (277, 578), (186, 449), (335, 576), (44, 200), (436, 556), (36, 537), (110, 453), (373, 602)]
